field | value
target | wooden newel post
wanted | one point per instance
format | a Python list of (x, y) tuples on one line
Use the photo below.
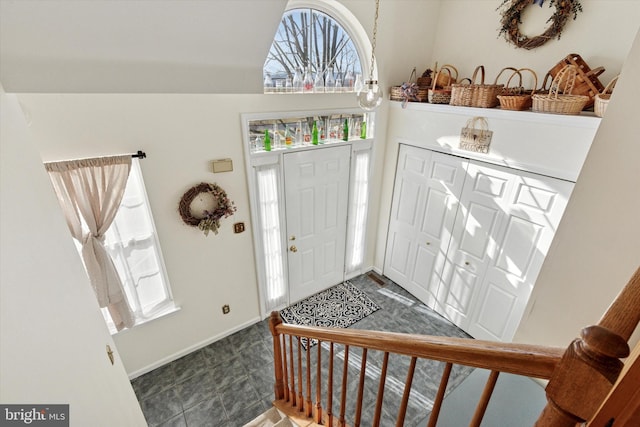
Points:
[(583, 378), (275, 320)]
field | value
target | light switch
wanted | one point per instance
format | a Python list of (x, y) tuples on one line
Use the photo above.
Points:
[(222, 165)]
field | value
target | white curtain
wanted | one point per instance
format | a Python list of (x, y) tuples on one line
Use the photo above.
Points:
[(90, 192)]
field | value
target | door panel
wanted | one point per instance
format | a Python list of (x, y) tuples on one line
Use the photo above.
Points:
[(498, 246), (316, 196), (423, 211)]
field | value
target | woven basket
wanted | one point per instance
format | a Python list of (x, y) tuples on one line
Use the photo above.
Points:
[(512, 90), (395, 93), (518, 98), (445, 80), (424, 82), (586, 82), (602, 99), (561, 103), (407, 92), (440, 95), (476, 94), (423, 93)]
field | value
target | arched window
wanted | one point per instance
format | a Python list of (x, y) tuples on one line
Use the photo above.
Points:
[(313, 51)]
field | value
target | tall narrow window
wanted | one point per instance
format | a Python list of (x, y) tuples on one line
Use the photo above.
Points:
[(269, 211), (311, 52), (133, 244), (358, 211)]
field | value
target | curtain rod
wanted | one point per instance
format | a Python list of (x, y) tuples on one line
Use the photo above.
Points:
[(139, 155)]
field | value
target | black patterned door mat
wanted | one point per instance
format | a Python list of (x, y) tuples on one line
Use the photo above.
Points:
[(337, 307)]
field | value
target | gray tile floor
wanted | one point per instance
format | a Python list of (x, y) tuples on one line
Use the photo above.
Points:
[(230, 382)]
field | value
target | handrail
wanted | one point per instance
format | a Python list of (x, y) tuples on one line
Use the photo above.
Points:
[(520, 359), (580, 376)]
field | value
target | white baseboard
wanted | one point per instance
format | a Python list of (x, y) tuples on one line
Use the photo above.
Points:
[(190, 349)]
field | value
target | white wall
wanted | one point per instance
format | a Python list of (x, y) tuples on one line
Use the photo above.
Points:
[(181, 134), (467, 36), (52, 335), (596, 248)]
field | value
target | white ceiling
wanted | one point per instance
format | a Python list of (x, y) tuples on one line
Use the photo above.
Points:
[(136, 46)]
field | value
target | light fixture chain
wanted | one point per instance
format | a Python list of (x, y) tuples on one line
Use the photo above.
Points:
[(373, 43)]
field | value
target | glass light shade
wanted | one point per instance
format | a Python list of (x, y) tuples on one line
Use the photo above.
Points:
[(371, 96)]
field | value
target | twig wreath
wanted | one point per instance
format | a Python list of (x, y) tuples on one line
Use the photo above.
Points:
[(511, 19), (208, 220)]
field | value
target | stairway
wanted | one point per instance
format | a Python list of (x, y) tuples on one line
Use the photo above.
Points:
[(271, 418)]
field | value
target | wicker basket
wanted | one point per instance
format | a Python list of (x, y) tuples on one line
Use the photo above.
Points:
[(408, 91), (586, 82), (423, 94), (602, 99), (445, 80), (518, 98), (561, 103), (476, 94), (440, 95), (424, 82), (395, 93)]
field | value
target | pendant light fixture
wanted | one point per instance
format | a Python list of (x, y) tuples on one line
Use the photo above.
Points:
[(371, 95)]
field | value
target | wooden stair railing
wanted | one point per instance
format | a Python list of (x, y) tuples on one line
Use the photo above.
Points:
[(580, 376), (521, 359)]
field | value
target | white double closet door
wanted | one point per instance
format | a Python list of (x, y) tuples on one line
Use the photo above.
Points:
[(468, 238), (316, 200)]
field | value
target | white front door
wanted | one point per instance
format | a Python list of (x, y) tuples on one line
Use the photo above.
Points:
[(316, 195), (502, 234)]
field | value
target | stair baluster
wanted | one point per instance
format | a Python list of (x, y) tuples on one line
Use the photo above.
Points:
[(293, 373), (484, 399), (330, 387), (383, 379), (405, 395), (343, 397), (300, 395), (363, 370), (308, 409), (318, 415), (437, 404)]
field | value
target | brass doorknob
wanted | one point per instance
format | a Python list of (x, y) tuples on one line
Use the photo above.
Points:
[(293, 248)]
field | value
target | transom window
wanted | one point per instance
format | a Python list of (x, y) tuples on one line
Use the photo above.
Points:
[(311, 52)]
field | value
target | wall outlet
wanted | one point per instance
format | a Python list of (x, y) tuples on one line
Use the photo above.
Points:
[(226, 309)]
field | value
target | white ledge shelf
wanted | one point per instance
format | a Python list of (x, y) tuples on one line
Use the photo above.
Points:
[(584, 119), (555, 145)]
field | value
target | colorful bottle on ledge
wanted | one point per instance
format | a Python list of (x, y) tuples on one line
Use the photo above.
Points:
[(288, 139), (314, 134), (267, 140), (345, 130), (363, 130)]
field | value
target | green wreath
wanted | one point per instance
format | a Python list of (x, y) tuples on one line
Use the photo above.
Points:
[(208, 220), (511, 19)]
